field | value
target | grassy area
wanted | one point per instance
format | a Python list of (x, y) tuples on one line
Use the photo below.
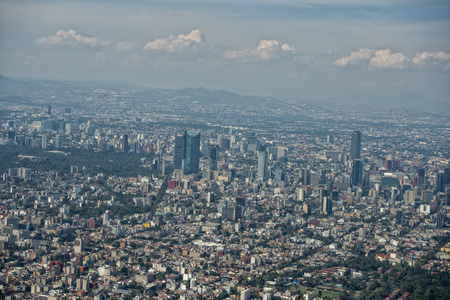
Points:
[(329, 294), (325, 293)]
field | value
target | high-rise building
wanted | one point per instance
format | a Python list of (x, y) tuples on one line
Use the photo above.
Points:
[(357, 172), (213, 155), (79, 245), (355, 150), (178, 152), (232, 213), (252, 141), (440, 220), (44, 141), (58, 141), (421, 178), (440, 182), (223, 142), (306, 177), (399, 216), (327, 205), (125, 143), (447, 196), (447, 176), (192, 152), (262, 165)]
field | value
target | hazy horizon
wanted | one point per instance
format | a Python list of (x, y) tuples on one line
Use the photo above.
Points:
[(296, 49)]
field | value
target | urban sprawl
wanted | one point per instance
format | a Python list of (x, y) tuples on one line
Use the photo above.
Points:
[(131, 194)]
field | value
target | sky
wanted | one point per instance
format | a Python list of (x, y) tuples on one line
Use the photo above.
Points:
[(312, 49)]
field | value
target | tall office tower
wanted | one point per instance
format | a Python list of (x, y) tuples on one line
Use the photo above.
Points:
[(399, 216), (440, 182), (224, 142), (49, 110), (440, 220), (252, 141), (327, 205), (79, 245), (355, 151), (44, 141), (447, 176), (421, 178), (192, 152), (357, 172), (58, 141), (278, 174), (178, 153), (306, 177), (447, 196), (125, 143), (213, 155), (262, 165)]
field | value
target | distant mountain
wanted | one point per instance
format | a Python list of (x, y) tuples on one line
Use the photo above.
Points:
[(204, 96), (6, 82), (10, 88)]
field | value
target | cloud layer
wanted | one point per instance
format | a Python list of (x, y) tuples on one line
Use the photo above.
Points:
[(266, 51), (177, 44), (385, 59), (425, 59), (71, 38)]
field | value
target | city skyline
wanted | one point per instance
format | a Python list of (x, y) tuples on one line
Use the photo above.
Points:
[(286, 49)]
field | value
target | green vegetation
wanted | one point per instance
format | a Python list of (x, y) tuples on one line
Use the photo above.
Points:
[(109, 163)]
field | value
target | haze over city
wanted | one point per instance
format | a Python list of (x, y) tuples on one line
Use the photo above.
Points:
[(182, 150), (296, 49)]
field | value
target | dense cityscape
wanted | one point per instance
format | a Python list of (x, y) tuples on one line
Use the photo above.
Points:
[(128, 193)]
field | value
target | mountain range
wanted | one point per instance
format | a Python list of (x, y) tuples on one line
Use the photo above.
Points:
[(21, 89)]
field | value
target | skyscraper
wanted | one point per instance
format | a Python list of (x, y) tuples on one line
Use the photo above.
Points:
[(179, 153), (262, 165), (440, 182), (192, 152), (306, 177), (355, 150), (58, 141), (213, 154), (399, 216), (44, 141), (327, 205), (125, 143), (421, 178), (357, 172)]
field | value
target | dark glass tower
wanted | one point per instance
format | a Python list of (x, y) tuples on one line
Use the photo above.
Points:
[(357, 172), (192, 152), (355, 150), (179, 153), (421, 178), (213, 155)]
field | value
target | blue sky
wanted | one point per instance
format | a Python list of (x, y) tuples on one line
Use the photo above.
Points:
[(297, 49)]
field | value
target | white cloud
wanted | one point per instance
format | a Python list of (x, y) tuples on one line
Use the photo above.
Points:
[(426, 59), (385, 59), (266, 50), (355, 57), (177, 44), (72, 39), (376, 59)]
